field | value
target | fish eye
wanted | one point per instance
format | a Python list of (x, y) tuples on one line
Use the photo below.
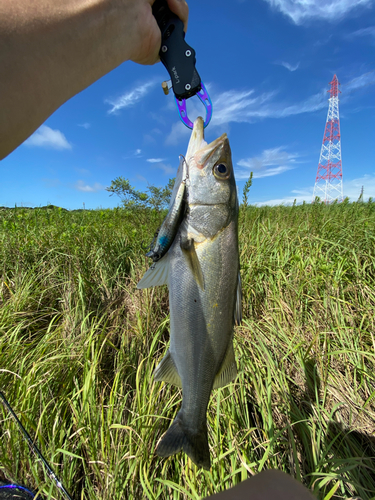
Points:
[(221, 171)]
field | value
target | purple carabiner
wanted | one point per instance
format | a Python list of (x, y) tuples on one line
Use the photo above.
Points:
[(205, 98)]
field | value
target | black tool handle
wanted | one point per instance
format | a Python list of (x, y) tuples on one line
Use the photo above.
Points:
[(176, 55)]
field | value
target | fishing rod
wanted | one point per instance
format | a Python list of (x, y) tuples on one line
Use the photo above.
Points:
[(35, 449)]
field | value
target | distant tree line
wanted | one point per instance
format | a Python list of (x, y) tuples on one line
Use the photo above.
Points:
[(155, 198)]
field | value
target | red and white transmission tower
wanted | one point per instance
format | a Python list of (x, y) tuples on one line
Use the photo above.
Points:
[(328, 182)]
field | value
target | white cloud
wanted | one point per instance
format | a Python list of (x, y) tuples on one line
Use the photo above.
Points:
[(271, 162), (289, 66), (129, 98), (239, 106), (83, 171), (359, 82), (178, 134), (236, 106), (167, 169), (243, 106), (287, 200), (155, 160), (352, 190), (370, 31), (153, 136), (270, 172), (45, 137), (86, 188), (85, 125), (309, 105), (329, 10), (137, 153), (141, 178)]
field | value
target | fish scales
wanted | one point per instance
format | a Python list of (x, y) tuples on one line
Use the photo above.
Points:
[(195, 346), (201, 269)]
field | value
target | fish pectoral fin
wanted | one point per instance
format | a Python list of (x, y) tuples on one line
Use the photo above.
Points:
[(157, 274), (238, 306), (228, 369), (166, 371), (188, 249)]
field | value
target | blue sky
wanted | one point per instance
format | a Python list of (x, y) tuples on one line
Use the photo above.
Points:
[(267, 65)]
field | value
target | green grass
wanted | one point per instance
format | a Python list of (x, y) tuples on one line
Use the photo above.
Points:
[(78, 345)]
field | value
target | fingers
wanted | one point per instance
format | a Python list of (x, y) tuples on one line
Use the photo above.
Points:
[(151, 32), (181, 9)]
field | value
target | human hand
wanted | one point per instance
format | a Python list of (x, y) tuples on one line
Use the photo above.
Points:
[(146, 36), (57, 48)]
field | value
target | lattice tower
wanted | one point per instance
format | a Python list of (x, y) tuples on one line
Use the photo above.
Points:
[(328, 182)]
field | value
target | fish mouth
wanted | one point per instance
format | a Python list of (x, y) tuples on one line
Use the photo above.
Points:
[(198, 144), (196, 139)]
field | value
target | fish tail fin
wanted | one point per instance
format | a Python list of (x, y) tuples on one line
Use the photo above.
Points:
[(178, 437)]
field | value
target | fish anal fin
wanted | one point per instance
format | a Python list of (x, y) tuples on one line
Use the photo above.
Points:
[(156, 275), (228, 369), (166, 371), (188, 249), (238, 306)]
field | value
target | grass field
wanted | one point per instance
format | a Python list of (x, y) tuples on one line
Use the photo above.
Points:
[(78, 345)]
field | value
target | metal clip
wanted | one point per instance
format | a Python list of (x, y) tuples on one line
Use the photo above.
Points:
[(205, 99)]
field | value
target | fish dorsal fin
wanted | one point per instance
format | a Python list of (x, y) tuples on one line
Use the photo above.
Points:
[(166, 371), (188, 249), (228, 369), (157, 274), (238, 306)]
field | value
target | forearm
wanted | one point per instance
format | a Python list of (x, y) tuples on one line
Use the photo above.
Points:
[(53, 49), (268, 485)]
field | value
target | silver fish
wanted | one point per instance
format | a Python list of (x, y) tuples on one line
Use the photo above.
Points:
[(201, 269)]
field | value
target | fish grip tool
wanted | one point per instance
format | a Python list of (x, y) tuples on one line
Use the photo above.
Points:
[(179, 60)]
